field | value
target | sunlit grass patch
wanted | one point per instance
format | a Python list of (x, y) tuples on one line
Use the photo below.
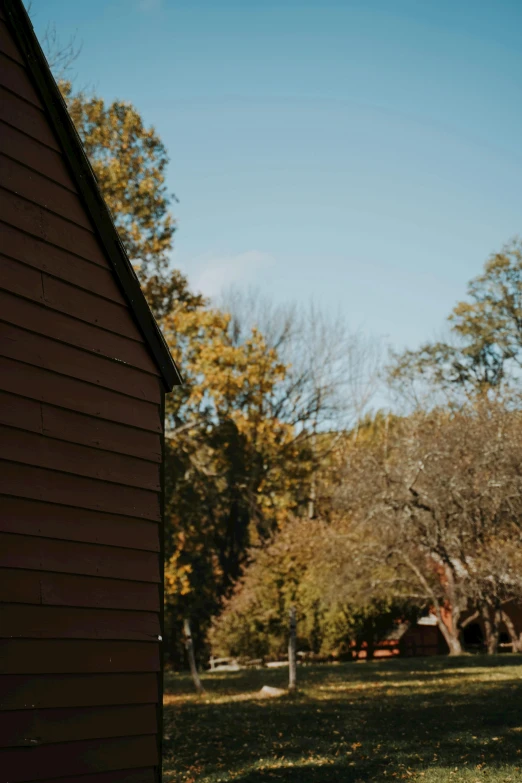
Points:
[(431, 720)]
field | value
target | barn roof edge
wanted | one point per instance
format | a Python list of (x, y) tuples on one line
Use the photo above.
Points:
[(87, 185)]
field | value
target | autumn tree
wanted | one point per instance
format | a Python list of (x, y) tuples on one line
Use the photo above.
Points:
[(437, 504), (236, 469), (236, 463), (129, 161), (332, 372), (309, 565), (484, 351)]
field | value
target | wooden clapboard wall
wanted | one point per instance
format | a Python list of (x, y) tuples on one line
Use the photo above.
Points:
[(81, 417)]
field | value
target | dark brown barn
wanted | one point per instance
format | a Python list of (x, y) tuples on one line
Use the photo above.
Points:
[(83, 376)]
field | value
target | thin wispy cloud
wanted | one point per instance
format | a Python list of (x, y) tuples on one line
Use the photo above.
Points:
[(149, 5), (213, 274)]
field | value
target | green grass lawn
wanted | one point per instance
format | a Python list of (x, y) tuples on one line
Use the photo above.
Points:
[(435, 720)]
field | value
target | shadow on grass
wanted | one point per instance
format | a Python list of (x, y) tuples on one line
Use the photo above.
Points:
[(351, 723)]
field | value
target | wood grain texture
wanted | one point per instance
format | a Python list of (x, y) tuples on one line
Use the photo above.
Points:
[(59, 423), (142, 775), (25, 621), (77, 428), (77, 758), (43, 691), (36, 383), (40, 351), (15, 78), (32, 518), (39, 484), (90, 308), (26, 118), (32, 153), (41, 223), (31, 283), (72, 656), (26, 728), (42, 451), (19, 412), (8, 46), (80, 452), (64, 328), (41, 190), (59, 263), (70, 557), (21, 280), (60, 589)]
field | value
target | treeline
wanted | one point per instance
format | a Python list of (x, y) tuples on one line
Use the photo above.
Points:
[(279, 491), (414, 512)]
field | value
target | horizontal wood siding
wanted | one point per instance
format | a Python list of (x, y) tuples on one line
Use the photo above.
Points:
[(52, 292), (63, 589), (72, 656), (28, 691), (69, 523), (70, 331), (71, 557), (143, 775), (26, 118), (32, 348), (30, 448), (26, 727), (43, 160), (13, 77), (80, 477), (44, 385), (62, 622), (77, 428), (37, 253), (41, 190), (53, 487), (77, 758)]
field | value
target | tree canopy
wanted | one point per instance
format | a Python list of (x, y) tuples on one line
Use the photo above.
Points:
[(485, 349), (281, 490)]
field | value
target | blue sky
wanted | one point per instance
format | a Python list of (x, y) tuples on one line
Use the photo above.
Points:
[(364, 154)]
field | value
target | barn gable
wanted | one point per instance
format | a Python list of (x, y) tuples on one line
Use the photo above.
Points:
[(83, 375), (76, 197)]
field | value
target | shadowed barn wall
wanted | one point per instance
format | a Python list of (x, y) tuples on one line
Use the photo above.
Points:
[(81, 443)]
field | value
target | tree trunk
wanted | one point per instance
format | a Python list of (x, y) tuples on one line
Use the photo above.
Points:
[(515, 639), (491, 620), (451, 638), (292, 652), (189, 646), (311, 500), (370, 646)]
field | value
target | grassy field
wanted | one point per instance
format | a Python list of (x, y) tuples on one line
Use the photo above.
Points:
[(434, 720)]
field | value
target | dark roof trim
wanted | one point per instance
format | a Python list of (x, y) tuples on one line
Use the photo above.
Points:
[(87, 185)]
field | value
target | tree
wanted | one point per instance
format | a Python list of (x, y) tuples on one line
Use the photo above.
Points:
[(308, 567), (234, 465), (235, 470), (60, 56), (244, 437), (331, 374), (238, 457), (189, 645), (485, 349), (438, 506), (129, 161), (496, 582)]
